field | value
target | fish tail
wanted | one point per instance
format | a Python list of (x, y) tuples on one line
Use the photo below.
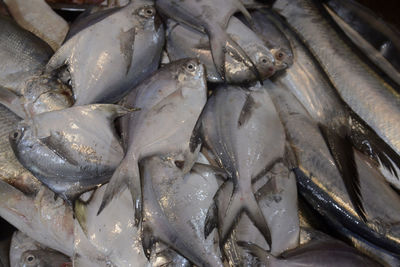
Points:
[(117, 184), (239, 202)]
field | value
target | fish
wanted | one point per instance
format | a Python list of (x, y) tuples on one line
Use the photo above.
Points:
[(243, 132), (273, 39), (371, 27), (71, 150), (114, 54), (212, 18), (373, 100), (381, 56), (24, 88), (44, 258), (320, 183), (37, 17), (320, 251), (185, 42), (175, 208), (170, 103), (20, 242)]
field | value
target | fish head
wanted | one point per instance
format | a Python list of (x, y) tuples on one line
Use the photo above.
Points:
[(43, 258), (237, 72), (45, 93), (191, 77), (20, 138), (283, 58), (148, 17)]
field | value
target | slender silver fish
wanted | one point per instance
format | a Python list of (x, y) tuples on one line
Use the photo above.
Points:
[(377, 103)]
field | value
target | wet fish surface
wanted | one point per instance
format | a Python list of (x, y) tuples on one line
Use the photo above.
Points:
[(64, 150), (110, 57)]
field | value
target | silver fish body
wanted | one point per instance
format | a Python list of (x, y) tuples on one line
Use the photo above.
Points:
[(366, 94), (184, 42), (112, 56), (242, 130), (175, 208), (170, 103), (64, 150), (320, 181)]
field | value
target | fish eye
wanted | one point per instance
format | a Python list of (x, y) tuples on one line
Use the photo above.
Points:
[(30, 258), (279, 55), (16, 134), (191, 67), (264, 60), (147, 12)]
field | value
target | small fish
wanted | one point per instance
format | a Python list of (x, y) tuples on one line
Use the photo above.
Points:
[(71, 150), (37, 17), (170, 103), (212, 18), (242, 130), (110, 57), (184, 42)]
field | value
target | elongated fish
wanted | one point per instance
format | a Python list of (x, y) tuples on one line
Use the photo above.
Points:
[(236, 126), (72, 150), (320, 182), (108, 58), (175, 208), (366, 94), (375, 54), (184, 42), (212, 18), (170, 103), (37, 17)]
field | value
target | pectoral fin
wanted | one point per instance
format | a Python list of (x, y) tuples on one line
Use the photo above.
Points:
[(12, 101)]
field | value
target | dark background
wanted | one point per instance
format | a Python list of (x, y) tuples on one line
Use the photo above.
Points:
[(387, 9)]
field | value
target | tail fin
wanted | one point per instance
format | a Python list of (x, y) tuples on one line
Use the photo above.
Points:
[(127, 174), (221, 43), (231, 202)]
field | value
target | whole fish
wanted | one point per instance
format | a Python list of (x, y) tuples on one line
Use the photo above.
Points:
[(184, 42), (366, 94), (242, 130), (175, 208), (383, 36), (24, 89), (72, 150), (112, 54), (37, 17), (378, 54), (320, 182), (212, 18), (170, 103), (44, 258), (322, 251)]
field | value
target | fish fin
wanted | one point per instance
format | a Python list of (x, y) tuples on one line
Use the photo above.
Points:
[(127, 40), (211, 220), (55, 142), (61, 57), (247, 110), (118, 182), (12, 101), (148, 240), (261, 256), (244, 11), (196, 137), (80, 214), (341, 150), (239, 201), (201, 168), (221, 43), (109, 111)]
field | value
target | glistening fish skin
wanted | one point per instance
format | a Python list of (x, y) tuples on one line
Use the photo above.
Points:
[(242, 130), (366, 94), (65, 150), (211, 17), (170, 103), (174, 210), (112, 56), (322, 185), (184, 42)]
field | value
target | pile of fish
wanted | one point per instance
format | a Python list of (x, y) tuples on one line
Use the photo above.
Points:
[(198, 133)]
